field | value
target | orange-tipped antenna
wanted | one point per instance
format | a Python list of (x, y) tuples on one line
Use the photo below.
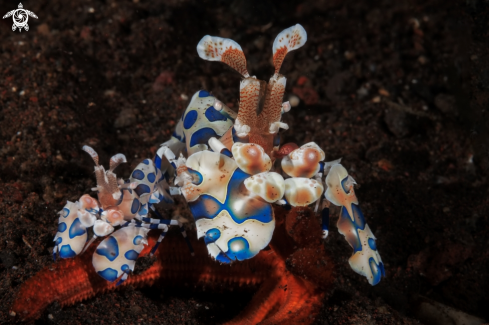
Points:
[(213, 48), (92, 153), (288, 40)]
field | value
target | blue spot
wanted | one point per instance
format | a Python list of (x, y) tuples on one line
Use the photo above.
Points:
[(131, 255), (108, 274), (142, 189), (125, 268), (208, 207), (202, 136), (151, 177), (213, 115), (325, 219), (321, 166), (77, 229), (135, 206), (62, 227), (59, 240), (111, 251), (158, 162), (145, 161), (371, 243), (381, 266), (276, 140), (190, 119), (238, 139), (121, 198), (65, 213), (227, 153), (239, 249), (204, 93), (212, 235), (138, 174), (222, 258), (347, 190), (66, 252), (144, 210), (196, 175), (137, 240), (377, 270), (357, 223)]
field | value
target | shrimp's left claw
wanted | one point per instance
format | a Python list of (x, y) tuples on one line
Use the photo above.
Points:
[(366, 259)]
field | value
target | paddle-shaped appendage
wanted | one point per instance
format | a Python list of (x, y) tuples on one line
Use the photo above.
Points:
[(288, 40), (213, 48)]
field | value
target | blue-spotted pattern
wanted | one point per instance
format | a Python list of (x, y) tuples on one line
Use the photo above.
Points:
[(116, 255), (72, 235), (201, 121)]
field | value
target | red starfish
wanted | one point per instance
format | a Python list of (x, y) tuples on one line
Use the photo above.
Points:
[(293, 275)]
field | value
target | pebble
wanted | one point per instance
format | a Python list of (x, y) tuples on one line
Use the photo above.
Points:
[(446, 104), (397, 122), (294, 100), (126, 117)]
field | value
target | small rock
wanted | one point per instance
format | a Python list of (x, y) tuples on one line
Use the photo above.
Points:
[(433, 312), (126, 117), (294, 100), (384, 92), (446, 104), (422, 59), (397, 122), (136, 310)]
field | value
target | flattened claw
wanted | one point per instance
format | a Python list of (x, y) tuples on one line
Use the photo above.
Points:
[(366, 259)]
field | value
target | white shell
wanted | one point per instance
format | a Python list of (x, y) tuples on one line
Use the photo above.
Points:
[(302, 191), (269, 186), (303, 162), (251, 158)]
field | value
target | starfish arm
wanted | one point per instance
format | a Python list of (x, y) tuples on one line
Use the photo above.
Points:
[(268, 298), (73, 280), (301, 300)]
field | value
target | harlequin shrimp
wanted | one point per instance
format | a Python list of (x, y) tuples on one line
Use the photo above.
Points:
[(120, 203), (225, 165)]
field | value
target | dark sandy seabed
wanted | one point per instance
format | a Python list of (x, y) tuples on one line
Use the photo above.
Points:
[(399, 89)]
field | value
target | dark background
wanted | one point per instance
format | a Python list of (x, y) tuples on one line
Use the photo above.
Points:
[(399, 89)]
